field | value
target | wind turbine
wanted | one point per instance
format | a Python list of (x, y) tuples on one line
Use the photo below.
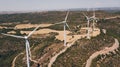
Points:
[(65, 25), (28, 52), (95, 19), (88, 25)]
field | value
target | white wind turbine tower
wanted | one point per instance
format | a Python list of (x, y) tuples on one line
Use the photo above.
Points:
[(28, 52), (88, 25), (65, 24), (94, 19)]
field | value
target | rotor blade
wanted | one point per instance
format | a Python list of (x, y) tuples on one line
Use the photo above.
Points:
[(66, 16), (93, 13), (68, 26), (88, 9), (33, 31), (85, 15), (13, 35), (59, 23)]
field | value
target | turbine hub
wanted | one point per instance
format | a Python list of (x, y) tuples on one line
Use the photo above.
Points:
[(26, 37), (64, 21)]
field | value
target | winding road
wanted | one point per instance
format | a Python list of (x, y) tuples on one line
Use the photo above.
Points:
[(13, 63), (62, 51), (104, 51), (112, 17)]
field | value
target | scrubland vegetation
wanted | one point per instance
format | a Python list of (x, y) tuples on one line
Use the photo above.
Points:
[(75, 56)]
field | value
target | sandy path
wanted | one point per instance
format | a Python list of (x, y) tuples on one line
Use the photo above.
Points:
[(1, 27), (52, 60), (11, 32), (104, 51), (71, 41), (112, 17), (22, 26), (13, 63)]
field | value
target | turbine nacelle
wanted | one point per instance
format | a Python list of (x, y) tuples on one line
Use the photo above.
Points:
[(88, 18), (26, 37), (64, 21)]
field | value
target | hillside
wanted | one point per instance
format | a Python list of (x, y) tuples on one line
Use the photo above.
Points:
[(44, 46)]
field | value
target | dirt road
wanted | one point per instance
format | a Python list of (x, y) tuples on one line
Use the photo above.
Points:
[(13, 63), (104, 51), (112, 17)]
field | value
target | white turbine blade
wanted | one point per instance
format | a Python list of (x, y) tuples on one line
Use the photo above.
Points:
[(33, 31), (66, 16), (13, 35), (85, 15), (59, 23), (68, 26), (93, 13), (27, 55), (64, 35), (88, 9)]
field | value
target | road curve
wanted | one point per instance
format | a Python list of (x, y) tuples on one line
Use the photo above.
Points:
[(52, 60), (13, 63), (112, 17), (104, 51)]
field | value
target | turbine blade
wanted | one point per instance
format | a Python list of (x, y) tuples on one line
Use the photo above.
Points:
[(93, 13), (85, 15), (66, 16), (12, 35), (59, 23), (68, 26), (33, 31), (88, 9)]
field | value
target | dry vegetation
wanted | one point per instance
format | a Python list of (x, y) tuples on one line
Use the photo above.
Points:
[(46, 44), (78, 54)]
